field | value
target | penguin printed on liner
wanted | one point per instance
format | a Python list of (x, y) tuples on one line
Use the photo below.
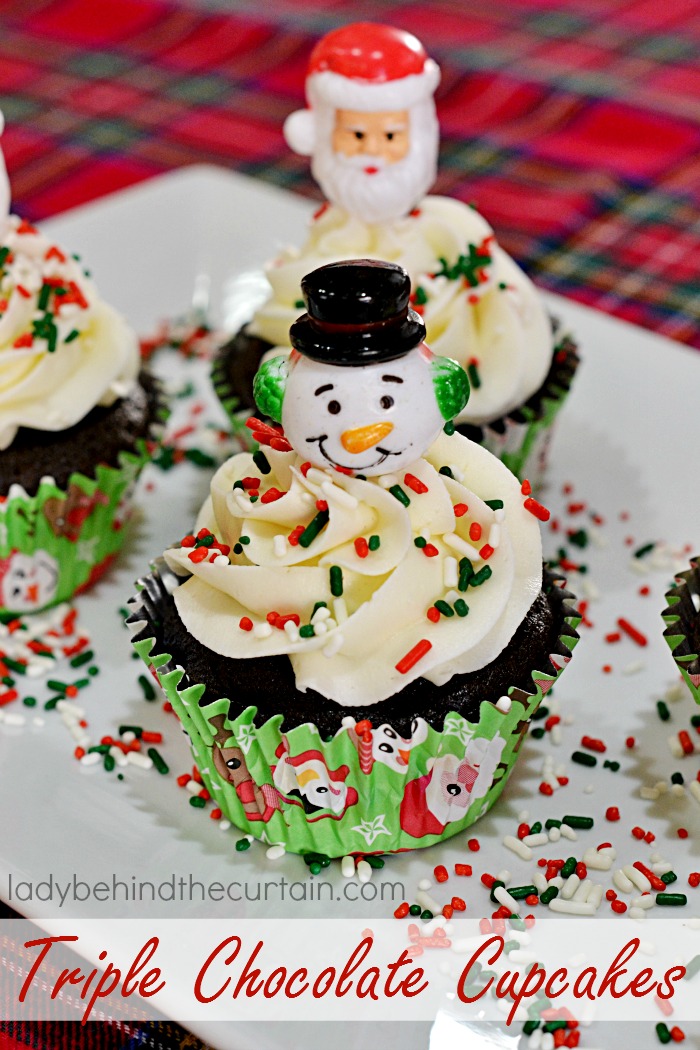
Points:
[(305, 780)]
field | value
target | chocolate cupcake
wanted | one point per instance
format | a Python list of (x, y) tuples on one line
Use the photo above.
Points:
[(359, 628), (372, 132), (77, 417), (682, 619)]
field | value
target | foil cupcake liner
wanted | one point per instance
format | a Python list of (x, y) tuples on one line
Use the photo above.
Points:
[(682, 619), (522, 438), (334, 795), (58, 541)]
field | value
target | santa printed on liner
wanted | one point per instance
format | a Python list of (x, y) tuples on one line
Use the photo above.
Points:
[(371, 130)]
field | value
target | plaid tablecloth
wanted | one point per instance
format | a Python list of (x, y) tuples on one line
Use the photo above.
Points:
[(574, 124)]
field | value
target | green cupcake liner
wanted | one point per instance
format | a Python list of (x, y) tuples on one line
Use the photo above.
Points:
[(682, 619), (59, 541), (331, 796)]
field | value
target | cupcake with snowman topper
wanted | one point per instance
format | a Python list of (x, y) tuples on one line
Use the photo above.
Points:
[(371, 130), (77, 419), (360, 617)]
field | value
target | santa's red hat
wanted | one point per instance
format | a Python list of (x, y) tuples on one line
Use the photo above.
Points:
[(364, 66)]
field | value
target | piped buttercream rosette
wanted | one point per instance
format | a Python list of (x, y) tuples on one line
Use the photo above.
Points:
[(365, 584)]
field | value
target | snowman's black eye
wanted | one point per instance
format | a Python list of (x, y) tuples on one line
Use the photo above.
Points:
[(233, 763), (386, 748), (334, 407), (386, 401), (359, 135)]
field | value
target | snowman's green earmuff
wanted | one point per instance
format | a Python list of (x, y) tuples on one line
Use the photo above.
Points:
[(269, 386), (451, 386)]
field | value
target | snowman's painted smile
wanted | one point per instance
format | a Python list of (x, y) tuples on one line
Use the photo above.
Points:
[(384, 454)]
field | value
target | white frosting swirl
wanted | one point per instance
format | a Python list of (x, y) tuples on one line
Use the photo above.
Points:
[(499, 320), (361, 637), (62, 350)]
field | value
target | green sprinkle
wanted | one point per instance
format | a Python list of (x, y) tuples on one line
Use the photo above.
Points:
[(554, 1026), (82, 658), (93, 671), (485, 573), (420, 541), (668, 877), (516, 923), (537, 733), (641, 551), (662, 708), (426, 915), (447, 472), (583, 759), (662, 1032), (109, 763), (466, 574), (307, 631), (374, 862), (29, 701), (677, 778), (254, 499), (671, 900), (579, 538), (519, 893), (692, 968), (551, 822), (374, 543), (149, 692), (15, 665), (494, 504), (569, 867), (694, 721), (99, 749), (245, 540), (59, 687), (299, 304), (158, 761), (199, 803), (461, 607), (4, 252), (578, 822), (536, 828), (541, 712), (315, 868), (549, 894), (313, 528), (611, 764), (400, 495), (530, 1026), (473, 373), (444, 608), (261, 462), (449, 428), (50, 704), (136, 730), (238, 485), (510, 945), (44, 296), (420, 296), (205, 541), (414, 910), (71, 336), (81, 683), (199, 458), (336, 579)]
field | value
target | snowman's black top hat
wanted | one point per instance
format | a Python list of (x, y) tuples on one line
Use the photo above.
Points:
[(357, 314)]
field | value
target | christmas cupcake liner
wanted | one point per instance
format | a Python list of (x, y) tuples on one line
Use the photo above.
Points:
[(520, 440), (340, 794), (682, 619), (60, 540)]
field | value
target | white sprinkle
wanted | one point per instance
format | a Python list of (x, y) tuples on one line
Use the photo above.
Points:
[(503, 897), (437, 923), (136, 758), (12, 719), (555, 734), (596, 895), (275, 852), (677, 790), (638, 914), (676, 691), (340, 610), (70, 708), (279, 545), (694, 788), (38, 722), (518, 847), (622, 882), (634, 668), (129, 737), (648, 900), (504, 876), (452, 596), (588, 790), (262, 630), (608, 851), (504, 704), (118, 756), (554, 834), (675, 746), (597, 861), (450, 572), (695, 599), (387, 480), (570, 886), (292, 631), (320, 629), (364, 871), (91, 758), (193, 787), (541, 838), (347, 867), (461, 546), (648, 793), (539, 882), (523, 816), (583, 891), (224, 825), (427, 902), (425, 884), (572, 907), (494, 535), (519, 955), (322, 613), (568, 833), (220, 559)]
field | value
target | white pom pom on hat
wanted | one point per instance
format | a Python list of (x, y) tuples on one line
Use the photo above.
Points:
[(364, 66)]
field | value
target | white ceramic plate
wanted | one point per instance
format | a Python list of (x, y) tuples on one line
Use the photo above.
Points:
[(627, 440)]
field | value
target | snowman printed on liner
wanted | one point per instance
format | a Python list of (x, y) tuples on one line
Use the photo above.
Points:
[(360, 392)]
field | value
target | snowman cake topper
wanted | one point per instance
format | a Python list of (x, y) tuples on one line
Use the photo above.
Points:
[(361, 391)]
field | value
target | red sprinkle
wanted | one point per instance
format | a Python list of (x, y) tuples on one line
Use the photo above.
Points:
[(637, 832), (618, 906), (526, 488), (79, 752), (612, 813), (441, 873), (523, 830), (245, 623), (664, 1006), (546, 789), (474, 845), (486, 551), (415, 654), (459, 904), (305, 468), (540, 512), (463, 869), (361, 547), (613, 637), (682, 834), (593, 744), (630, 743), (433, 614), (271, 495), (610, 895), (402, 911), (321, 504), (632, 631), (694, 878), (250, 483), (430, 550), (294, 535), (644, 590), (607, 668), (581, 870), (198, 554), (677, 1034), (656, 883), (447, 911), (488, 880), (685, 742), (460, 509), (415, 484), (475, 531)]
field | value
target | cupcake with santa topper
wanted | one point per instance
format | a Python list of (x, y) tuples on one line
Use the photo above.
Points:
[(360, 616), (371, 130), (77, 418), (682, 619)]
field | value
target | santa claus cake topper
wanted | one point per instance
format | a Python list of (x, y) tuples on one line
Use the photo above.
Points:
[(361, 391), (370, 126)]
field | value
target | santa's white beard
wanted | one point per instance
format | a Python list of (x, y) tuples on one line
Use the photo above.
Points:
[(387, 194)]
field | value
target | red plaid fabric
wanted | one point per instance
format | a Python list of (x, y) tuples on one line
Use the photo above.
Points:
[(572, 123)]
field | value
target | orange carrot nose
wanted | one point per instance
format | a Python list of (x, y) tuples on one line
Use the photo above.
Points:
[(362, 438), (32, 593)]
